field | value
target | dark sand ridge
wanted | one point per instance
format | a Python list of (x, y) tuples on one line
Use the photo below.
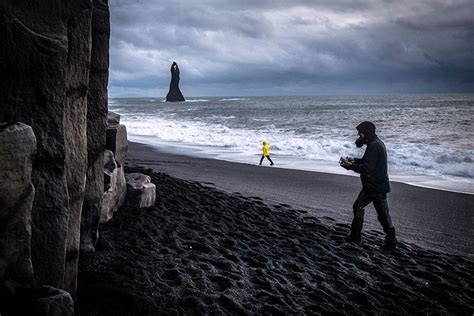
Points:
[(430, 218), (200, 250)]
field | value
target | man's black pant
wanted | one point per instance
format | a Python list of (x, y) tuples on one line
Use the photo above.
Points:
[(381, 206), (268, 157)]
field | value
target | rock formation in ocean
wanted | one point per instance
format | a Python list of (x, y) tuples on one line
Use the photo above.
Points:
[(53, 77), (174, 95)]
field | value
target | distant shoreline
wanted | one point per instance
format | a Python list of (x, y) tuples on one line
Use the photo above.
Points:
[(426, 182)]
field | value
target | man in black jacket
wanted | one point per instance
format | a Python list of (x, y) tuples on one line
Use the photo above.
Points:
[(372, 168)]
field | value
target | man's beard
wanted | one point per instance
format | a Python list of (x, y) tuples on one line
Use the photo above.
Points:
[(359, 142)]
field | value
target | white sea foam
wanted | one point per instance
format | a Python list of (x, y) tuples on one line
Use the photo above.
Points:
[(233, 99), (196, 100), (414, 158), (223, 117)]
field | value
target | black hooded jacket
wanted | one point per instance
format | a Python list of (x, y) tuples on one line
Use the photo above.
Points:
[(373, 167)]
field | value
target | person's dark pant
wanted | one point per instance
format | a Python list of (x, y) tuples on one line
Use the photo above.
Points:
[(381, 206), (268, 157)]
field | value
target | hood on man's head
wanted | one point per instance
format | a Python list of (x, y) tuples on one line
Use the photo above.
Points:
[(366, 128)]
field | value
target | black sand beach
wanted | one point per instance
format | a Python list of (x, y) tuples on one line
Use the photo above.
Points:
[(259, 240)]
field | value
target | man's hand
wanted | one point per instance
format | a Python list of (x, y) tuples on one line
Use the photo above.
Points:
[(346, 163)]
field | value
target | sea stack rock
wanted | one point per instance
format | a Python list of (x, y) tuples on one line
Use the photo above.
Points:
[(174, 95)]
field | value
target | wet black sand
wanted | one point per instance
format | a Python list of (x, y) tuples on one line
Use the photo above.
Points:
[(200, 250)]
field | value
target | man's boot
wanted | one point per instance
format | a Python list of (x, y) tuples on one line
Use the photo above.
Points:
[(356, 229), (390, 242)]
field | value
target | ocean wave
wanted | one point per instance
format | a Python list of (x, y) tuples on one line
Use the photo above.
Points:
[(315, 132), (432, 159), (233, 99), (197, 100), (223, 117), (407, 158)]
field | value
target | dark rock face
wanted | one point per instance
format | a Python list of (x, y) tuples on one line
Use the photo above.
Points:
[(17, 149), (42, 301), (31, 50), (96, 125), (75, 127), (53, 77), (174, 95)]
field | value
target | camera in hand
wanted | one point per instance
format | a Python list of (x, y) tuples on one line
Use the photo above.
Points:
[(344, 161)]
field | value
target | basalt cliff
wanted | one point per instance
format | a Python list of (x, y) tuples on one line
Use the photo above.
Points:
[(53, 132)]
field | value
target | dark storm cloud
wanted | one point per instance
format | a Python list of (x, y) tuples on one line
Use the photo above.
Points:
[(276, 47)]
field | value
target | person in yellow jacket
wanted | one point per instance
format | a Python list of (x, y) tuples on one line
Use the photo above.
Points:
[(266, 153)]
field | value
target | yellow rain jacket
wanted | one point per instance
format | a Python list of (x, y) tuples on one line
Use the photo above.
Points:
[(266, 149)]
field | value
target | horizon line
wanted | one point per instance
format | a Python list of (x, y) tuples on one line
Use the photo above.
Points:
[(296, 95)]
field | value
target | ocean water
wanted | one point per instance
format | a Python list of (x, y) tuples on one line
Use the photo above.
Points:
[(429, 138)]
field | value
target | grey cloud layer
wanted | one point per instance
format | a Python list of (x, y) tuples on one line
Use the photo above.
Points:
[(271, 47)]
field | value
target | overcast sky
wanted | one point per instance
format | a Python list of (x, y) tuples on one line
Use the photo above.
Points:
[(291, 47)]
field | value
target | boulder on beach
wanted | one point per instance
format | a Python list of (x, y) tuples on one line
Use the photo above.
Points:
[(113, 118), (140, 191), (114, 187), (117, 141), (174, 95)]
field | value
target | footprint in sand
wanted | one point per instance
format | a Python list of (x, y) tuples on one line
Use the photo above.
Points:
[(170, 275), (221, 283)]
